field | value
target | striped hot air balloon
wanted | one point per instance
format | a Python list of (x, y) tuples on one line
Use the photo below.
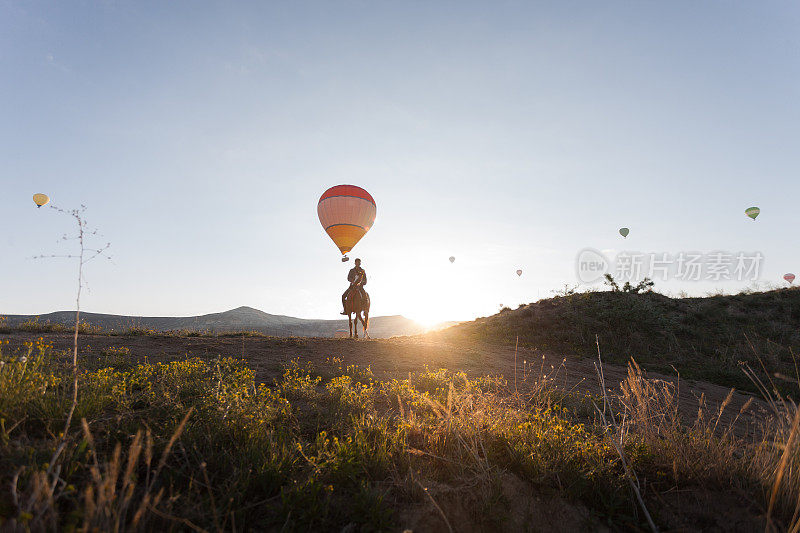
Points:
[(752, 212), (346, 212), (789, 277)]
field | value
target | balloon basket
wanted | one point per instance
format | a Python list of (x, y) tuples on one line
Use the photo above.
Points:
[(345, 259)]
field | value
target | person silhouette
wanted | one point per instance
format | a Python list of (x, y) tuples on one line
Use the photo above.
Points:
[(357, 278)]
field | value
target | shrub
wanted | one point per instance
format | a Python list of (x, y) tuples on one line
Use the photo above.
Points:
[(198, 444)]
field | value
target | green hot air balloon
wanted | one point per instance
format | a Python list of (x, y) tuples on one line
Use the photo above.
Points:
[(752, 212), (624, 232)]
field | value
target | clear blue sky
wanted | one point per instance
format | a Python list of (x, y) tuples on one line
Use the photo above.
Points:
[(508, 134)]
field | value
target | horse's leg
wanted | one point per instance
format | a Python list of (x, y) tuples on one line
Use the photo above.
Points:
[(362, 316), (355, 324), (350, 320)]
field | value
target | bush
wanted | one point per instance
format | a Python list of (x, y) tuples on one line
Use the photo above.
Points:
[(198, 444), (34, 325), (646, 285)]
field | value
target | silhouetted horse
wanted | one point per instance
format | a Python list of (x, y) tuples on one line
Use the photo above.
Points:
[(357, 302)]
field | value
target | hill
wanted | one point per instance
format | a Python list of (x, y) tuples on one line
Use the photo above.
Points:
[(703, 338), (239, 319)]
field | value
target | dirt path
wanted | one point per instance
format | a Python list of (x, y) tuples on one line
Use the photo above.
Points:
[(397, 357)]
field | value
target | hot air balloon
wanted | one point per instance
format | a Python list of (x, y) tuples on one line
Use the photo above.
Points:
[(624, 232), (519, 272), (40, 199), (789, 277), (346, 212), (752, 212), (452, 259)]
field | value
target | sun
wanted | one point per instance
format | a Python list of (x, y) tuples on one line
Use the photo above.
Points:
[(440, 308), (442, 292), (428, 322)]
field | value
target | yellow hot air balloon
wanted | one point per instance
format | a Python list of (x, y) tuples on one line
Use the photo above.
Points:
[(40, 199), (347, 213)]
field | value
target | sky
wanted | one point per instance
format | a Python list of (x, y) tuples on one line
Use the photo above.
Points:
[(510, 135)]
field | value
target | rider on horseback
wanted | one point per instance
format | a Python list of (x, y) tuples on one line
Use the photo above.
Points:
[(357, 278)]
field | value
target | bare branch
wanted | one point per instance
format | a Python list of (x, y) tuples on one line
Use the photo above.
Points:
[(82, 259)]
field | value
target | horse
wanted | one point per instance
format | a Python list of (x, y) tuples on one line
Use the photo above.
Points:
[(357, 302)]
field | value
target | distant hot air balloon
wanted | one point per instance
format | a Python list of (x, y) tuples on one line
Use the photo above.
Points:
[(752, 212), (789, 277), (40, 199), (624, 232), (519, 272), (452, 259), (346, 212)]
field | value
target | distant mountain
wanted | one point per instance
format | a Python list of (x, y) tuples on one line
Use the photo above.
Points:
[(239, 319)]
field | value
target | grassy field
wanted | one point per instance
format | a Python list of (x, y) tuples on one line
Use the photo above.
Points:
[(702, 338), (198, 445)]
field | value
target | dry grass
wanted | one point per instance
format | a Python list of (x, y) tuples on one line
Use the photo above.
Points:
[(196, 444), (704, 338)]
